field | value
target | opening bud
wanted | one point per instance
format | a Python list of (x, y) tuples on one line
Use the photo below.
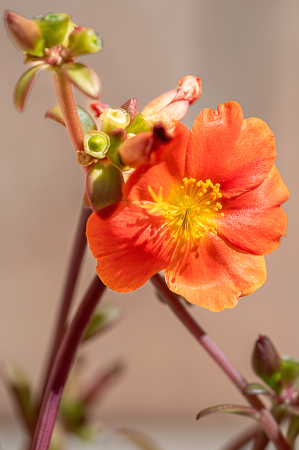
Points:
[(54, 27), (266, 361), (84, 40), (171, 107), (25, 34), (99, 107), (96, 143), (103, 185), (114, 118)]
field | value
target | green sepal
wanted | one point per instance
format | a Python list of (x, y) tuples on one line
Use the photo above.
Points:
[(83, 78), (86, 120), (114, 157), (20, 387), (139, 439), (54, 27), (24, 84), (86, 431), (230, 409), (84, 40), (289, 369), (105, 316), (104, 185), (139, 125)]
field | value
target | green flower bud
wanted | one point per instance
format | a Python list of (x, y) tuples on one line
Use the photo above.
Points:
[(103, 185), (289, 369), (114, 118), (54, 27), (25, 34), (84, 40), (96, 143), (117, 137), (266, 361)]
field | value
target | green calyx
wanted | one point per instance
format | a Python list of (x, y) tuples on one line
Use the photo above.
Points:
[(139, 125), (54, 28), (96, 143), (84, 40), (114, 118), (103, 185)]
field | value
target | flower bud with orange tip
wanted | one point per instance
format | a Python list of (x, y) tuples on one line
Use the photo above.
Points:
[(24, 33), (172, 106), (103, 185)]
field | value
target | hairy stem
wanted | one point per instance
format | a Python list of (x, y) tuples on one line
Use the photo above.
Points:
[(267, 421), (69, 287), (62, 365)]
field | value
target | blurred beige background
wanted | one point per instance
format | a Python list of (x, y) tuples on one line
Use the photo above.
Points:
[(243, 51)]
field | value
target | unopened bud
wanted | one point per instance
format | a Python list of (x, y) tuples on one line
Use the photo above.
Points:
[(114, 118), (131, 106), (170, 108), (25, 34), (54, 27), (99, 107), (103, 185), (266, 360), (84, 40), (96, 143)]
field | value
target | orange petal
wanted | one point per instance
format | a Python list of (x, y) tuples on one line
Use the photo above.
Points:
[(214, 275), (235, 153), (254, 222), (157, 177), (129, 244)]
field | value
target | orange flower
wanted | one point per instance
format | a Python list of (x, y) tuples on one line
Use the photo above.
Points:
[(206, 213)]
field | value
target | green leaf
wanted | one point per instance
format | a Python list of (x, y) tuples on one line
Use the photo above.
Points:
[(24, 85), (104, 317), (231, 409), (289, 369), (256, 389), (86, 120), (21, 390), (83, 77), (139, 125), (293, 430), (139, 439)]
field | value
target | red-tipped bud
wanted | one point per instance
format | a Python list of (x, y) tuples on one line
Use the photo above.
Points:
[(131, 106), (24, 33), (99, 107), (139, 149), (170, 108), (266, 360)]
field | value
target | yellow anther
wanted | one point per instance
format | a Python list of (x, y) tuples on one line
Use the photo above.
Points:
[(222, 214), (219, 195), (207, 203), (215, 208), (204, 190), (186, 197)]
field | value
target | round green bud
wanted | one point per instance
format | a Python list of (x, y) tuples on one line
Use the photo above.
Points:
[(96, 143), (114, 118), (84, 40), (54, 28), (103, 185)]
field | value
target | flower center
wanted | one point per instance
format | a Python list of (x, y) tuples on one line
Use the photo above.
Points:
[(191, 212)]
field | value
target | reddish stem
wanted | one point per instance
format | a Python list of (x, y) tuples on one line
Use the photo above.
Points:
[(62, 365), (267, 421), (72, 276)]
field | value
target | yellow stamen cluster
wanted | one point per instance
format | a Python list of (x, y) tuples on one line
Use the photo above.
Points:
[(194, 213)]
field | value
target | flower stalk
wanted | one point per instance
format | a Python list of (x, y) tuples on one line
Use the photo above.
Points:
[(267, 421), (62, 365)]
